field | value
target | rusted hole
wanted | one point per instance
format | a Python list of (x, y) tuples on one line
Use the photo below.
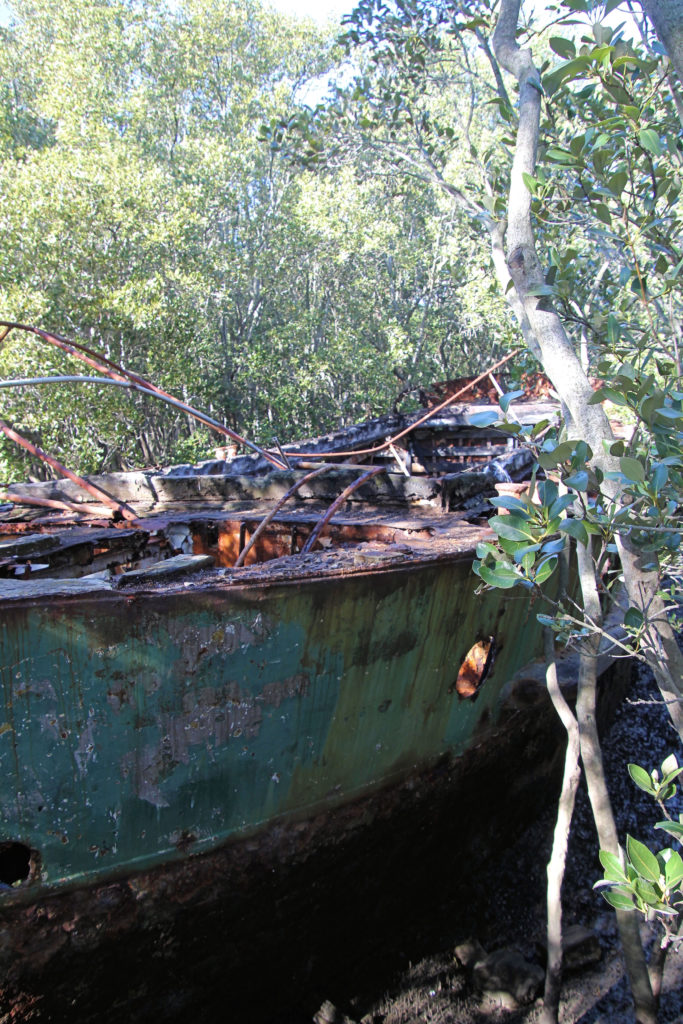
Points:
[(475, 668), (15, 863)]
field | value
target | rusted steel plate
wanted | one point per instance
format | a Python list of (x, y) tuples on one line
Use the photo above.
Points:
[(131, 721)]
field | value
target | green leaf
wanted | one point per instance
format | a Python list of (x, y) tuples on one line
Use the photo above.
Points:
[(545, 570), (674, 829), (660, 475), (632, 469), (499, 576), (530, 182), (602, 213), (649, 140), (483, 419), (527, 561), (633, 113), (614, 869), (560, 505), (571, 69), (669, 764), (565, 450), (547, 460), (485, 547), (579, 480), (617, 92), (538, 427), (553, 547), (511, 527), (619, 900), (576, 529), (563, 47), (522, 553), (642, 859), (668, 413), (633, 618), (511, 503), (642, 779), (505, 400), (547, 491), (647, 893), (561, 156), (510, 428), (673, 871), (609, 394), (616, 184)]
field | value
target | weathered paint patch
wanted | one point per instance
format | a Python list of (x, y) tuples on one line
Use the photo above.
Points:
[(209, 711)]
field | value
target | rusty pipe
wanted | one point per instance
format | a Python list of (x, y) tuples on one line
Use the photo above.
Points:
[(346, 493), (62, 506), (96, 492), (273, 512), (115, 372)]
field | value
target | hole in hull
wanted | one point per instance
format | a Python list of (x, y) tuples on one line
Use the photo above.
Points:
[(15, 863), (228, 538), (475, 668)]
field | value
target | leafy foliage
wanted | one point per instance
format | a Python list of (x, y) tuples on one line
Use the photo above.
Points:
[(651, 883), (147, 212)]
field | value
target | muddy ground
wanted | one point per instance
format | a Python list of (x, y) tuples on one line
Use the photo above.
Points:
[(426, 984)]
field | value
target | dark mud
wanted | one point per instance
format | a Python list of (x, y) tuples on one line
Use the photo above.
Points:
[(508, 906)]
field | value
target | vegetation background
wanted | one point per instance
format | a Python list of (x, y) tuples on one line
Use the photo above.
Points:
[(144, 212)]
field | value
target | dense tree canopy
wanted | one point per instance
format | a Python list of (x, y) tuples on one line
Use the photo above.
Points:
[(145, 212)]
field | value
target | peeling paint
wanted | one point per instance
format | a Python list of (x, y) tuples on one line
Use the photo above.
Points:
[(85, 751), (140, 724)]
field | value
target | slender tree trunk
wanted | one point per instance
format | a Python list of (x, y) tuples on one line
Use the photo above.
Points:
[(558, 857), (557, 353), (667, 18), (658, 643), (591, 755)]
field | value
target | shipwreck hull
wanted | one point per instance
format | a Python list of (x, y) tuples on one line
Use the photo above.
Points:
[(265, 929), (138, 727), (242, 707), (170, 753)]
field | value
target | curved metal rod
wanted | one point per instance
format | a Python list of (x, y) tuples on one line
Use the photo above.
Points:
[(273, 512), (324, 520), (81, 508), (146, 390), (115, 372), (118, 506)]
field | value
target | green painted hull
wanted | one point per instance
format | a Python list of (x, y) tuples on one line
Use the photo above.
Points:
[(136, 729)]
